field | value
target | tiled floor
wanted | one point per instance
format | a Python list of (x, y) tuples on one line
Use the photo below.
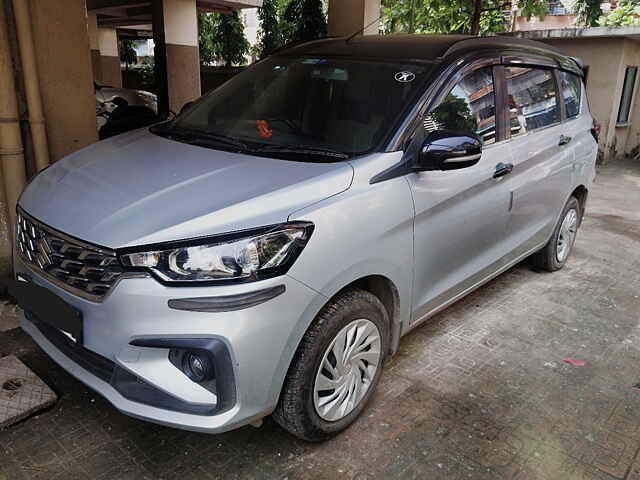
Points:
[(481, 392)]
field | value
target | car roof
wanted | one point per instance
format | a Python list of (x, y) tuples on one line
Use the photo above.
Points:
[(433, 48), (424, 47)]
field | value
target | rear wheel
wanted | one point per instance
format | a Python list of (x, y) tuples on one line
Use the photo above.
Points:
[(336, 367), (556, 253)]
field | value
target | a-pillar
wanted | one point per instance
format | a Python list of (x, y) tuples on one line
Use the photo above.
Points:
[(347, 17), (175, 34), (110, 73)]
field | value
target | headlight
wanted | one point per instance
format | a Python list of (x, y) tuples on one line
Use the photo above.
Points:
[(246, 256)]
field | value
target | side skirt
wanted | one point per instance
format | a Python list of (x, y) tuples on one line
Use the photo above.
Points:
[(449, 300)]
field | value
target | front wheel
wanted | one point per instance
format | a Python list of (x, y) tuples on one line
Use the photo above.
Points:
[(336, 367), (555, 254)]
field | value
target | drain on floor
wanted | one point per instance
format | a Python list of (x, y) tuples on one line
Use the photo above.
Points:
[(12, 384), (22, 393)]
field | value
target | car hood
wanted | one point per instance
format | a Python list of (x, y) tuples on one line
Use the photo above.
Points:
[(139, 188)]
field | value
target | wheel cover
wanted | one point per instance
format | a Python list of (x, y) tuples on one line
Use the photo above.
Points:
[(567, 235), (347, 370)]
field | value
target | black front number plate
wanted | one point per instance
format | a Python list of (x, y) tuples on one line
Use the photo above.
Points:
[(47, 307)]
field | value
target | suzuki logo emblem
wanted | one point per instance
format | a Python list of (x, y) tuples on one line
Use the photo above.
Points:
[(405, 77), (43, 258)]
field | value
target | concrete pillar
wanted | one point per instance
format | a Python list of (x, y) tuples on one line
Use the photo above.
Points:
[(175, 34), (94, 44), (61, 43), (347, 17), (109, 57)]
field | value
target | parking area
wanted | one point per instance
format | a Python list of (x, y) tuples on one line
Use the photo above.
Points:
[(480, 392)]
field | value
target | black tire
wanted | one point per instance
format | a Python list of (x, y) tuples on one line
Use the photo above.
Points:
[(295, 411), (547, 258)]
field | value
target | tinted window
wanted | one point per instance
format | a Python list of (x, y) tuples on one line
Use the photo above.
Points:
[(571, 92), (347, 105), (469, 107), (531, 98)]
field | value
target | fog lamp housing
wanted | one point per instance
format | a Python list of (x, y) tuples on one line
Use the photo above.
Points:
[(197, 366), (205, 361)]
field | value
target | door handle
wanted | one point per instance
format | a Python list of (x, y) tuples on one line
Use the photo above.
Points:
[(564, 140), (503, 169)]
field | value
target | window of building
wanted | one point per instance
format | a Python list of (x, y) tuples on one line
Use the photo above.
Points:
[(557, 8), (532, 99), (624, 112), (469, 107), (571, 93)]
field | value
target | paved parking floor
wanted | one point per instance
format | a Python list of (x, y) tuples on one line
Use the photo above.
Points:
[(481, 392)]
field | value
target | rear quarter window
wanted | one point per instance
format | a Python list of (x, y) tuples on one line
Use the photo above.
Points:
[(571, 86)]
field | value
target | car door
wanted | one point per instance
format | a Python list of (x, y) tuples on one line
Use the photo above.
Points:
[(460, 215), (543, 156), (579, 123)]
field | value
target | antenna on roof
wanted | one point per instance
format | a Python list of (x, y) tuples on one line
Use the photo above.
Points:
[(351, 37)]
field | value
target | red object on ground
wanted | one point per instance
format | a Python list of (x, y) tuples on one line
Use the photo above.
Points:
[(263, 129), (574, 362)]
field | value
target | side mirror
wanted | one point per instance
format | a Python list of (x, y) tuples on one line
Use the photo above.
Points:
[(446, 150)]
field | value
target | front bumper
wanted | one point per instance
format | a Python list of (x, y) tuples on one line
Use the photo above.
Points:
[(260, 341)]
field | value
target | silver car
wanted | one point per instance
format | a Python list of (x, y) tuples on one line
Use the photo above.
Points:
[(264, 252)]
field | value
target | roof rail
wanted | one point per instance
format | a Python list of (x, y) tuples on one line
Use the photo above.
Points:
[(295, 43), (499, 41)]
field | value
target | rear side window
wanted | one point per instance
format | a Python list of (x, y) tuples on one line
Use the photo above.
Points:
[(571, 93), (470, 107), (532, 99)]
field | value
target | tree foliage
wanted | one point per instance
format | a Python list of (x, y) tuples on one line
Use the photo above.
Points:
[(221, 37), (128, 54), (207, 37), (270, 35), (304, 20), (588, 12), (233, 45), (627, 13), (454, 16)]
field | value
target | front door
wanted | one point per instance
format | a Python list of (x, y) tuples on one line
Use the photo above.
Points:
[(461, 215)]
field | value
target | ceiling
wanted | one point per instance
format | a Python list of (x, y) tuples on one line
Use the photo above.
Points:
[(127, 13)]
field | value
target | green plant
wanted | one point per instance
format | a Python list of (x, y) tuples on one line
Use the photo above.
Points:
[(147, 74), (128, 54), (627, 13), (304, 20), (270, 35), (232, 45), (456, 16), (588, 12), (207, 44)]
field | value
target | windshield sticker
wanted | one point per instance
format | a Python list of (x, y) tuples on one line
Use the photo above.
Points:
[(405, 77), (263, 129)]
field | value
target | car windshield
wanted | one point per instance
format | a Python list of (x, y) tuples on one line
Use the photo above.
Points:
[(328, 107)]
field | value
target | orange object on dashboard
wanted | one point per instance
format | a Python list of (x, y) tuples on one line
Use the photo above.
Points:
[(263, 129)]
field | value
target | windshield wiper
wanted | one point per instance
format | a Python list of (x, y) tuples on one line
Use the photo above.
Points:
[(302, 150), (198, 137)]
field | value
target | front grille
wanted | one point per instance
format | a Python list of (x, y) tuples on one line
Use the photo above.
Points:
[(82, 269)]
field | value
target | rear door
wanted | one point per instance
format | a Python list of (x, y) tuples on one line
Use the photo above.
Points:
[(579, 123), (542, 154)]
